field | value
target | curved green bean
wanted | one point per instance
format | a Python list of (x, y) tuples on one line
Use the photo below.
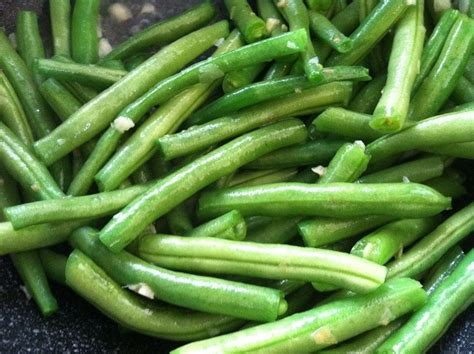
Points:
[(84, 38), (220, 227), (60, 14), (202, 136), (322, 326), (164, 32)]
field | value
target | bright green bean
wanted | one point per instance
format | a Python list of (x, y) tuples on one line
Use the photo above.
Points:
[(237, 79), (322, 326), (325, 30), (250, 25), (59, 98), (426, 252), (60, 14), (218, 227), (274, 22), (84, 38), (259, 177), (278, 70), (202, 136), (391, 111), (164, 32), (158, 200), (447, 185)]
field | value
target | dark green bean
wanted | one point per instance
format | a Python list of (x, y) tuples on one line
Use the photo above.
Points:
[(220, 226), (82, 93), (59, 98), (196, 292), (95, 76), (60, 14), (202, 136), (319, 5), (443, 77), (325, 30), (347, 20), (164, 32), (277, 230), (73, 208), (270, 89), (407, 200), (250, 25), (447, 185), (84, 39), (126, 225), (322, 326), (366, 100), (392, 109), (212, 255), (91, 282), (54, 265), (464, 91), (259, 177), (460, 150), (453, 296), (370, 31), (179, 221), (444, 129), (426, 252)]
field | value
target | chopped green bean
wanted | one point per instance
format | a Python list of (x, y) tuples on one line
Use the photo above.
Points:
[(325, 30), (219, 227), (84, 38), (250, 25), (60, 14)]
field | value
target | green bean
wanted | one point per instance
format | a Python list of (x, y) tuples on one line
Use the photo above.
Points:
[(59, 98), (82, 93), (158, 200), (270, 89), (185, 142), (255, 178), (12, 114), (469, 70), (426, 252), (447, 185), (464, 91), (389, 240), (409, 200), (235, 80), (278, 70), (250, 25), (453, 296), (322, 326), (179, 222), (217, 227), (460, 108), (25, 168), (205, 255), (54, 265), (29, 267), (444, 129), (368, 97), (434, 45), (319, 5), (97, 114), (370, 31), (135, 61), (164, 32), (73, 208), (297, 17), (28, 40), (84, 39), (195, 292), (443, 269), (91, 282), (347, 20), (33, 237), (274, 22), (216, 67), (325, 30), (392, 109), (416, 171), (9, 194), (443, 77), (15, 69), (277, 230), (96, 76), (60, 14), (460, 150)]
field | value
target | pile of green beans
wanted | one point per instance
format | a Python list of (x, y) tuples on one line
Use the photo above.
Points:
[(291, 177)]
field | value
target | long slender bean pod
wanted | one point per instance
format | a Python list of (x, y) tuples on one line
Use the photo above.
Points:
[(84, 38), (133, 312), (325, 30), (444, 129), (158, 200), (324, 325), (265, 90), (335, 199), (217, 130), (60, 14), (452, 297), (218, 226), (366, 100), (443, 77), (277, 230), (164, 32), (63, 102), (460, 150), (428, 250), (347, 20), (464, 91), (54, 265), (250, 25), (447, 185), (389, 240), (370, 31), (205, 254), (391, 111), (272, 176), (196, 292)]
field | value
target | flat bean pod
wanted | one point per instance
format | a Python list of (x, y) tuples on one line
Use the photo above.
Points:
[(180, 185), (322, 326), (98, 113), (335, 199), (211, 255)]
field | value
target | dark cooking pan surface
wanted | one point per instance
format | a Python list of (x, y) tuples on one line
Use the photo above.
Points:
[(78, 327)]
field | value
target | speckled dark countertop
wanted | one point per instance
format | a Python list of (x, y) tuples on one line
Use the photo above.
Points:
[(78, 327)]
